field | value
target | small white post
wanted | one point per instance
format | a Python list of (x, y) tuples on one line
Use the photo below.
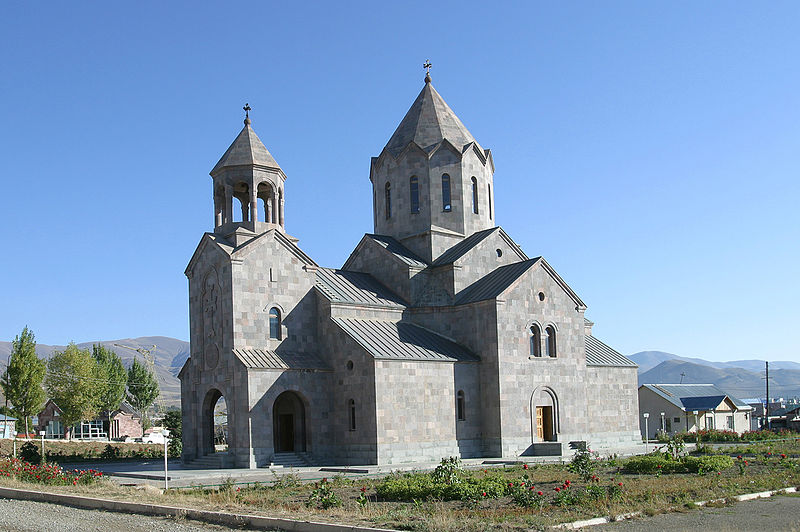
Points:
[(646, 431), (42, 433), (663, 424), (165, 432)]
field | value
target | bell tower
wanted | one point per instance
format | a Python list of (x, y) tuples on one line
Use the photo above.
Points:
[(248, 187), (432, 184)]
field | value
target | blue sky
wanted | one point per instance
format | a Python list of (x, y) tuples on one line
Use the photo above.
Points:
[(648, 151)]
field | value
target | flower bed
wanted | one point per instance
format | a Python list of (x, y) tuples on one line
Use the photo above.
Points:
[(51, 474)]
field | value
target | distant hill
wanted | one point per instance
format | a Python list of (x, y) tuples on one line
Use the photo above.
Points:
[(647, 360), (737, 381), (169, 356)]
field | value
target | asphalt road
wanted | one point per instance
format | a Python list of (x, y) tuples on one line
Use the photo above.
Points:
[(779, 513), (28, 516)]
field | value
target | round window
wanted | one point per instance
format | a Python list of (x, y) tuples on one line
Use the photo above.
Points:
[(499, 252), (541, 296)]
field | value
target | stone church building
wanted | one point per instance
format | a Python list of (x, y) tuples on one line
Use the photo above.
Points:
[(438, 336)]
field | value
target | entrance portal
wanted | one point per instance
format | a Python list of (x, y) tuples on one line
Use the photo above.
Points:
[(214, 423), (289, 423), (544, 415)]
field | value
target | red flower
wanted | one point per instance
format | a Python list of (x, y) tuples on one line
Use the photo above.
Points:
[(783, 456), (557, 489), (484, 494), (539, 493), (739, 457), (567, 482), (620, 483), (510, 484), (363, 489), (524, 466), (745, 462), (718, 473), (532, 488)]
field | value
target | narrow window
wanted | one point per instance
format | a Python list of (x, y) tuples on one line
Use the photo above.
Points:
[(474, 195), (460, 412), (551, 341), (489, 196), (388, 193), (536, 341), (351, 408), (414, 194), (446, 206), (274, 324)]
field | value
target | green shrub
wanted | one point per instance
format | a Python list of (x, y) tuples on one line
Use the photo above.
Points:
[(408, 487), (29, 452), (583, 463), (651, 464), (695, 464)]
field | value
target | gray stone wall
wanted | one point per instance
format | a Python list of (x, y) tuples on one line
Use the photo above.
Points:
[(483, 259), (374, 259), (521, 375), (612, 402)]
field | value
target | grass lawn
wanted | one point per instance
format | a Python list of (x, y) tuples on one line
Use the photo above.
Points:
[(510, 498)]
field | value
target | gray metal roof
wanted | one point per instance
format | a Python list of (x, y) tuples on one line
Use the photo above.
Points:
[(266, 359), (246, 149), (358, 288), (494, 283), (694, 396), (600, 354), (463, 247), (402, 341), (429, 121), (399, 250)]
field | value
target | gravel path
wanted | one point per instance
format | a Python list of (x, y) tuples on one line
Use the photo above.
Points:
[(780, 513), (28, 516)]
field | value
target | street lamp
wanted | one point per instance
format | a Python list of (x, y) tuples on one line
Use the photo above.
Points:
[(165, 433), (5, 411), (646, 432)]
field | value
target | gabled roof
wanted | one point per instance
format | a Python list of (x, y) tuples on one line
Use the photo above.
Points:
[(600, 354), (463, 247), (694, 396), (780, 412), (398, 250), (246, 150), (495, 282), (267, 359), (340, 286), (392, 340), (427, 123)]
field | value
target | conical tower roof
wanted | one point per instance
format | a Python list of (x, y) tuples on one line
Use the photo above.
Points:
[(429, 121), (247, 150)]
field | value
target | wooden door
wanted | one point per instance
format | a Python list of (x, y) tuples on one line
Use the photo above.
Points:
[(286, 433), (539, 423), (547, 423)]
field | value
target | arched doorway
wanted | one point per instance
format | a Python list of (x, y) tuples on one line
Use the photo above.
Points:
[(544, 415), (289, 423), (215, 423)]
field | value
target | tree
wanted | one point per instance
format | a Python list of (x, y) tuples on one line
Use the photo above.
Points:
[(111, 381), (174, 423), (72, 384), (22, 380), (142, 388)]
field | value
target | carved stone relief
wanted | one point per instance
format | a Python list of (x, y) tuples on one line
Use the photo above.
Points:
[(212, 321)]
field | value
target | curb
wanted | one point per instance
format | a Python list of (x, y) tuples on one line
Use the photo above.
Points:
[(207, 516), (603, 520)]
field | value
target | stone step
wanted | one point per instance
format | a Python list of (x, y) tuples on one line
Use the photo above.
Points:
[(291, 460)]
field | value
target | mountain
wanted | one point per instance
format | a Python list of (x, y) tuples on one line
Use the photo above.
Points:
[(739, 382), (168, 356), (647, 360)]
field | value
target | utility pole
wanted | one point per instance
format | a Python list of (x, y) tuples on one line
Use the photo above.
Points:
[(766, 407)]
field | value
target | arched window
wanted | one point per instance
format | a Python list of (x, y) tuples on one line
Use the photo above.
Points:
[(414, 187), (274, 324), (536, 341), (351, 409), (446, 206), (388, 196), (489, 197), (474, 195), (460, 410), (550, 343)]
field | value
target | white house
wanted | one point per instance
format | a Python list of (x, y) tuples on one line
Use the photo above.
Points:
[(7, 426), (673, 408)]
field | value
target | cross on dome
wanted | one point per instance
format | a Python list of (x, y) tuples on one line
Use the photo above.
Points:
[(247, 110), (427, 66)]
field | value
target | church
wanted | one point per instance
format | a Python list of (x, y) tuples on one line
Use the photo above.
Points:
[(437, 337)]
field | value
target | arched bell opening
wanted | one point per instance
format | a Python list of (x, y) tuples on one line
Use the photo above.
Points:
[(266, 201), (241, 208)]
